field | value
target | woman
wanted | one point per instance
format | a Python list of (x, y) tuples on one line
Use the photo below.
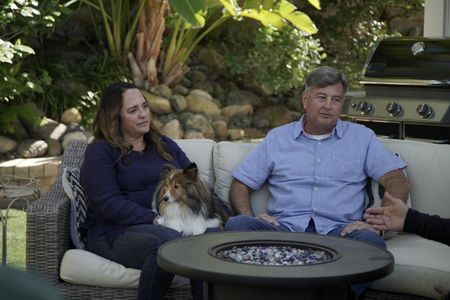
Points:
[(120, 171)]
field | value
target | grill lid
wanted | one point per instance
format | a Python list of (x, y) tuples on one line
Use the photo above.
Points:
[(409, 62)]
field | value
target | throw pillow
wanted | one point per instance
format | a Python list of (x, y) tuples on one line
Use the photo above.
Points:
[(78, 204)]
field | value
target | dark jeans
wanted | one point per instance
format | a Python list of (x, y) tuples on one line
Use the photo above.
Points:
[(137, 248)]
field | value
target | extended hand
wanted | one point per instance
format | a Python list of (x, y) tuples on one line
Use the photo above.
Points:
[(390, 217), (268, 219)]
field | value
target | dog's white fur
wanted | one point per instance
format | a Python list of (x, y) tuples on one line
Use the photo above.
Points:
[(184, 220)]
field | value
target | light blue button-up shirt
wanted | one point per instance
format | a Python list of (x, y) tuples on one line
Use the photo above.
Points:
[(324, 180)]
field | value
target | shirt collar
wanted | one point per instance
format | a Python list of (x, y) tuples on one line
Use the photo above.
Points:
[(337, 130)]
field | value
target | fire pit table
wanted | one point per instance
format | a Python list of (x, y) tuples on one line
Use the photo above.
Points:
[(336, 264)]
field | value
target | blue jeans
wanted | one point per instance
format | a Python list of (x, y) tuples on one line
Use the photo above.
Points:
[(137, 248), (243, 222)]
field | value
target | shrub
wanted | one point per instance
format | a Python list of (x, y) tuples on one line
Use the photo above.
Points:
[(277, 60)]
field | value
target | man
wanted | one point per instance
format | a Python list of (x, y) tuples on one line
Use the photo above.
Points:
[(316, 169), (397, 216)]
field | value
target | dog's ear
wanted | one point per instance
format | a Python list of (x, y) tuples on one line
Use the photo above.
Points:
[(191, 171), (166, 169)]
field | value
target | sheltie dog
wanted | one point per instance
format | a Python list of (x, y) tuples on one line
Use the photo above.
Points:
[(184, 203)]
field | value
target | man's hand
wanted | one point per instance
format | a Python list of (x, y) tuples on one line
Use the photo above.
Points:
[(268, 219), (390, 217), (358, 225)]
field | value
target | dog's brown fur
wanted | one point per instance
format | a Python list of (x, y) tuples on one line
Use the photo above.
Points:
[(186, 189)]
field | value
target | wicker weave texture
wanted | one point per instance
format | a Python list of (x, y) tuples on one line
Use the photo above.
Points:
[(48, 238)]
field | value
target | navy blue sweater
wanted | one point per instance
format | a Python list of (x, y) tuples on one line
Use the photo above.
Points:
[(120, 191), (428, 226)]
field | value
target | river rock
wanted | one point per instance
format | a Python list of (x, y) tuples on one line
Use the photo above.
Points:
[(32, 148), (172, 129), (7, 144), (71, 115)]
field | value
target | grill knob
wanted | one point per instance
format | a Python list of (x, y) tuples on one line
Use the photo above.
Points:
[(394, 108), (365, 107), (424, 110)]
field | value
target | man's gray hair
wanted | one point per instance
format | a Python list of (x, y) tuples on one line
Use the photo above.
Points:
[(323, 77)]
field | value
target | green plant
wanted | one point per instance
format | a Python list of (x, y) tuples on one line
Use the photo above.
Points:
[(275, 14), (24, 22), (16, 239), (119, 19), (11, 112), (78, 83), (276, 60)]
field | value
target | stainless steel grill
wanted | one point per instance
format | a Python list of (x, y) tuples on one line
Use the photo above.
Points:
[(406, 90)]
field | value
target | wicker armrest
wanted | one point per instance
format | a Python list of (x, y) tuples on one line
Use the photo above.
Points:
[(48, 233), (48, 236)]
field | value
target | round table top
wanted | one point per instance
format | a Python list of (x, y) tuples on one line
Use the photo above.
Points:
[(355, 261)]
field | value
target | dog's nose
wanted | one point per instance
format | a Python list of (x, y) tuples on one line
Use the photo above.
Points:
[(165, 198)]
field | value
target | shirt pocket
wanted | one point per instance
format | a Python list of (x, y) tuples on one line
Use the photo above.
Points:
[(347, 168)]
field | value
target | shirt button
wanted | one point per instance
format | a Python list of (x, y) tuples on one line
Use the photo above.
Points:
[(318, 160), (316, 188), (320, 143)]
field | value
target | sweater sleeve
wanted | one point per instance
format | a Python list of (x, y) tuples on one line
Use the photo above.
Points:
[(428, 226), (178, 154), (106, 199)]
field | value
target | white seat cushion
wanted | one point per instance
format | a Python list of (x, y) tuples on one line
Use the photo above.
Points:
[(84, 267), (227, 155), (428, 172), (420, 264)]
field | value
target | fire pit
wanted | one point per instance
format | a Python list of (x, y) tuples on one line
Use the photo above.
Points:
[(311, 266), (267, 253)]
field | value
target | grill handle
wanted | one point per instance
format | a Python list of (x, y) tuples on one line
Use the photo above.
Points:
[(408, 82)]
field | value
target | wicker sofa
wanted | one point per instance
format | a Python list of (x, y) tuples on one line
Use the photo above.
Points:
[(420, 263)]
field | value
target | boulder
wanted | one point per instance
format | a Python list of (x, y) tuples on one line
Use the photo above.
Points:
[(32, 148), (71, 115), (7, 144), (158, 104)]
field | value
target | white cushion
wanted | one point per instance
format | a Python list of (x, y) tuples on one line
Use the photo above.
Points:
[(227, 155), (84, 267), (200, 151), (420, 264), (428, 174)]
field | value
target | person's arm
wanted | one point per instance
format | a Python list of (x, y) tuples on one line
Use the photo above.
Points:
[(396, 216), (99, 180), (240, 198), (396, 184), (428, 226), (178, 154)]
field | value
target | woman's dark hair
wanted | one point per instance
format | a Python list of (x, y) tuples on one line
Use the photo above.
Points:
[(107, 120)]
